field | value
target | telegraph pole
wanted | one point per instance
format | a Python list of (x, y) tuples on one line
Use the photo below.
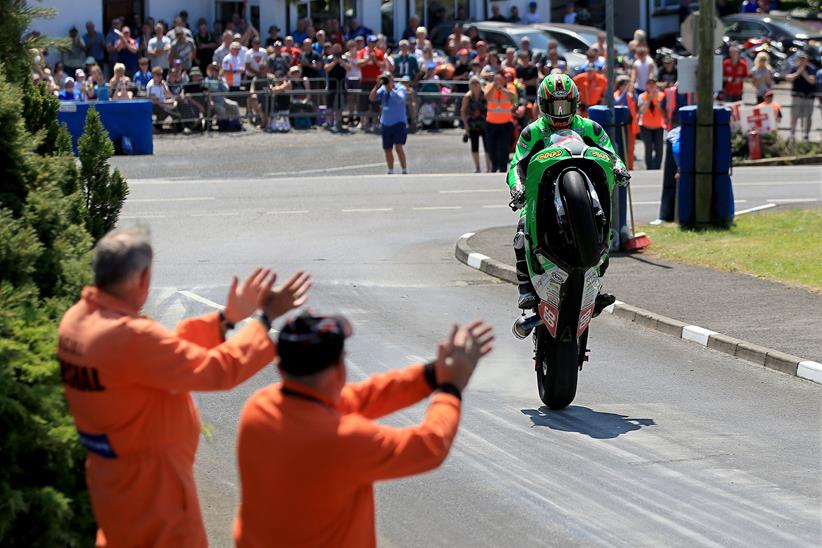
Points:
[(703, 180), (609, 58)]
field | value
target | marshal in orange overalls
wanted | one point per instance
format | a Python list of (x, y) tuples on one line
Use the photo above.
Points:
[(127, 381), (308, 465)]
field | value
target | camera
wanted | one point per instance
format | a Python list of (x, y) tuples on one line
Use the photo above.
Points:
[(384, 80)]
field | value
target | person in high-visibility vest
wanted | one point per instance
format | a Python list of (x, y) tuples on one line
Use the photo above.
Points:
[(651, 123), (501, 97), (127, 381), (624, 96)]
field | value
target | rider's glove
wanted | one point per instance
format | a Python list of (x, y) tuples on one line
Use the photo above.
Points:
[(622, 176), (517, 197)]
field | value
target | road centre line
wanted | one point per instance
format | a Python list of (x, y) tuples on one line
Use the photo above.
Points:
[(494, 206), (286, 212), (367, 210), (792, 200), (472, 191), (754, 209), (216, 214), (139, 217), (658, 202), (323, 170), (152, 200), (435, 208)]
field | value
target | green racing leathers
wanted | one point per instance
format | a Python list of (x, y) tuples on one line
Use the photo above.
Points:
[(535, 137)]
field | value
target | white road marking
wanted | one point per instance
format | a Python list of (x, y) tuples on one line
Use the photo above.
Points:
[(435, 208), (780, 184), (292, 212), (216, 214), (132, 217), (475, 260), (472, 191), (697, 334), (810, 370), (658, 202), (791, 200), (191, 199), (199, 299), (367, 210), (753, 209), (323, 170), (494, 206)]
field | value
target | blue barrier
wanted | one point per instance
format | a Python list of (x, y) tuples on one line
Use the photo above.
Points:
[(722, 197), (619, 135), (128, 123)]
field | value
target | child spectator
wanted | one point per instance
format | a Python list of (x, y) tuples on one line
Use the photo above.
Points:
[(143, 76), (69, 94)]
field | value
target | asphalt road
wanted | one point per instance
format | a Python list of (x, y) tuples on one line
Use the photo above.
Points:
[(666, 444)]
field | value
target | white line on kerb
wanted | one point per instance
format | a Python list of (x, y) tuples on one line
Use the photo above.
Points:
[(697, 334), (472, 191), (435, 208), (753, 209), (475, 260), (810, 370), (791, 200), (191, 199), (367, 210)]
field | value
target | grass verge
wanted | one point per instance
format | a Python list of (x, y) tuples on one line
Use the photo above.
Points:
[(781, 246)]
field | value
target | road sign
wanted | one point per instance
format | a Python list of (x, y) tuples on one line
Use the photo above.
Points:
[(688, 31)]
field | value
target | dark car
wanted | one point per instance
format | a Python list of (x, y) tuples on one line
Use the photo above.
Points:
[(578, 38), (787, 32), (500, 35)]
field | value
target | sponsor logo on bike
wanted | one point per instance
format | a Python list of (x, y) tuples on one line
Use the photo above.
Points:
[(598, 154), (585, 316), (550, 154)]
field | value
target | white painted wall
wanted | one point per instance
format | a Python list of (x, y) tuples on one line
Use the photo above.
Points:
[(167, 10), (272, 12), (70, 12)]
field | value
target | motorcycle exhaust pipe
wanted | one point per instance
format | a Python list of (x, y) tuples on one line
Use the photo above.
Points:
[(523, 326)]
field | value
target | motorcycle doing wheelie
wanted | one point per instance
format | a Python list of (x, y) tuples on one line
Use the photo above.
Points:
[(567, 236)]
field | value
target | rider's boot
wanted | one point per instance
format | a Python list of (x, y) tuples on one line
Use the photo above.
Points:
[(603, 300), (527, 298)]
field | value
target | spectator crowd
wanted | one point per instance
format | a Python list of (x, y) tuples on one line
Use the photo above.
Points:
[(202, 77)]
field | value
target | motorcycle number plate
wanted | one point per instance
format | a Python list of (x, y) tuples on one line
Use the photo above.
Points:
[(549, 314)]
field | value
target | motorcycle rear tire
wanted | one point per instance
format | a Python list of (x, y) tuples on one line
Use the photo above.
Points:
[(580, 214)]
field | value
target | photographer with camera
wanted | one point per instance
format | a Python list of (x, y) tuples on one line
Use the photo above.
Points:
[(393, 118)]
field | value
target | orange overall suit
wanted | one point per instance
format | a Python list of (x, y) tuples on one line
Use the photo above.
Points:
[(127, 381), (308, 466)]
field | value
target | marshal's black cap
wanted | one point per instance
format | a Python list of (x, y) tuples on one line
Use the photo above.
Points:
[(309, 343)]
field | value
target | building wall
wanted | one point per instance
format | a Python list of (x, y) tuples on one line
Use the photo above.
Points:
[(167, 10)]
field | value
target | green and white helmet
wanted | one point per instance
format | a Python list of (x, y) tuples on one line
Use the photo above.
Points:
[(558, 98)]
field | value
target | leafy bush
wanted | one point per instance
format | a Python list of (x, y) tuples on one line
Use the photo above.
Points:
[(49, 211), (773, 146)]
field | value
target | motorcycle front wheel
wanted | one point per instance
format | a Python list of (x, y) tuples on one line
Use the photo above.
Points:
[(558, 368)]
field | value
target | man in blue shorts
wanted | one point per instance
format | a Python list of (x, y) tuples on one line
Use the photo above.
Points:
[(393, 118)]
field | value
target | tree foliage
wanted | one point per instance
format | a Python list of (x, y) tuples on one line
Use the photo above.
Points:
[(49, 210), (104, 190)]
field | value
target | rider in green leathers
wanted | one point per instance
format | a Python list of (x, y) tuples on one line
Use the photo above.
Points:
[(557, 99)]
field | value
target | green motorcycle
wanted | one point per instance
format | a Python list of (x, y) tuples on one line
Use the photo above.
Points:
[(567, 237)]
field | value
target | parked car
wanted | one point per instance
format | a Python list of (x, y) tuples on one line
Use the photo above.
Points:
[(500, 35), (578, 38), (789, 34)]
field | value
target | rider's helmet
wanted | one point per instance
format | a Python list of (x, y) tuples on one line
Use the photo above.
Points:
[(558, 98)]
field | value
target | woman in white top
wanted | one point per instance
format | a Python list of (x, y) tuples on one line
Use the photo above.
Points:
[(762, 75), (642, 67), (353, 77)]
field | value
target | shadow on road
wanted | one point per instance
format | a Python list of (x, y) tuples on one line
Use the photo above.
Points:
[(633, 256), (583, 420)]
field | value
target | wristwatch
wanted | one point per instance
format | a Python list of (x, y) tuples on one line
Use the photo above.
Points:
[(262, 317), (224, 323)]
